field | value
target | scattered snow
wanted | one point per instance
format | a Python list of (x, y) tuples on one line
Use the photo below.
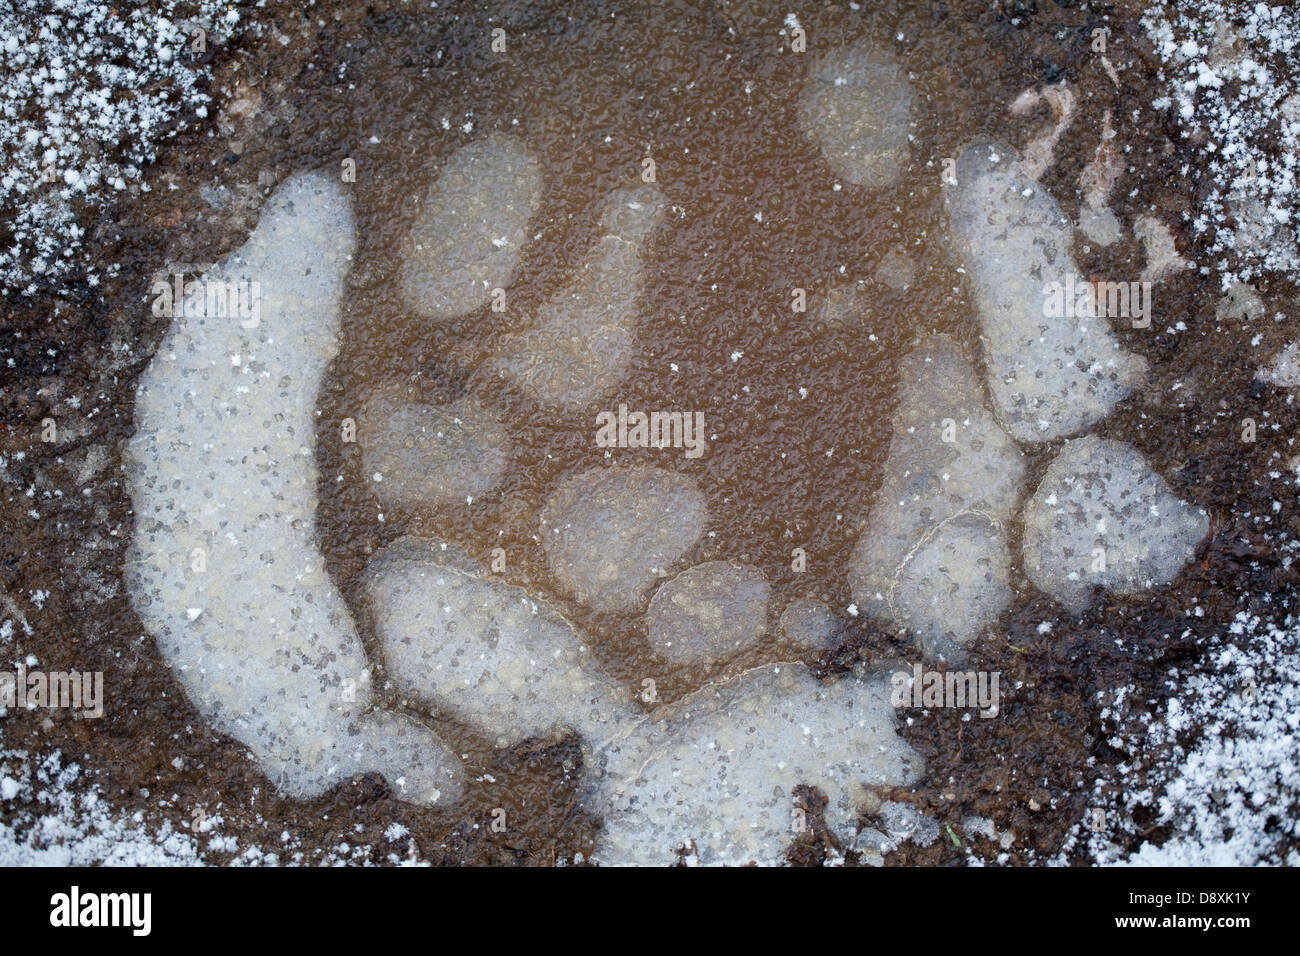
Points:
[(59, 824), (88, 95), (1219, 766), (395, 832), (1233, 72)]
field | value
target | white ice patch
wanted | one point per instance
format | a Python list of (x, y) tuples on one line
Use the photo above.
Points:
[(1048, 377), (719, 768), (1114, 523), (934, 556), (501, 660), (1284, 370), (223, 479), (471, 228)]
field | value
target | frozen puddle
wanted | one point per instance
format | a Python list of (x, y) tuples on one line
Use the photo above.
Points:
[(227, 572), (487, 652)]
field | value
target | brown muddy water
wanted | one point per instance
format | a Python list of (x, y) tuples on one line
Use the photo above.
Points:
[(708, 91), (755, 215)]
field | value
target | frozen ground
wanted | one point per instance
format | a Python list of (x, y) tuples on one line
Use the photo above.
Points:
[(89, 95), (1225, 783), (1216, 761), (1236, 91)]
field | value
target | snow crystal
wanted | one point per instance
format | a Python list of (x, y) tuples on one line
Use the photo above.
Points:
[(80, 118)]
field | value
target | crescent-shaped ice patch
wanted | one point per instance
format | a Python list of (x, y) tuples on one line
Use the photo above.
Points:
[(224, 569)]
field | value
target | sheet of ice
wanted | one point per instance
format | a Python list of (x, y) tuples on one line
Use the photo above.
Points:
[(612, 531), (1048, 377), (708, 613), (1102, 516), (856, 106), (498, 658), (955, 584), (1284, 369), (471, 228), (934, 557), (897, 270), (224, 570), (809, 625), (720, 767), (431, 454), (579, 346)]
